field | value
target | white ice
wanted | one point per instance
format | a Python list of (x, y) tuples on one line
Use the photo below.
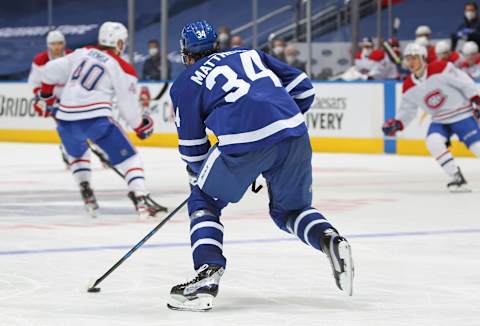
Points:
[(416, 247)]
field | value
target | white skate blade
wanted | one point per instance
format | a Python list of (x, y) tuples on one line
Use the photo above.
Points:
[(346, 278), (91, 210), (203, 303), (144, 215), (459, 189)]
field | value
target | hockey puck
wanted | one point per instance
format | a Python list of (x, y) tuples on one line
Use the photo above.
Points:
[(93, 290)]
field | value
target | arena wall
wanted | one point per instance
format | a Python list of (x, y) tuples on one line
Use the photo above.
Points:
[(346, 117)]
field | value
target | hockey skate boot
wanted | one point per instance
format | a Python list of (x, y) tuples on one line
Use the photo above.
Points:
[(89, 199), (198, 293), (145, 206), (339, 253), (458, 184)]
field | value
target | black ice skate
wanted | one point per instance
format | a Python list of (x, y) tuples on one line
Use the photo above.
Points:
[(458, 184), (339, 253), (145, 206), (89, 199), (198, 293)]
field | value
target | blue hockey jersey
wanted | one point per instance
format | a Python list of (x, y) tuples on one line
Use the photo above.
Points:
[(247, 98)]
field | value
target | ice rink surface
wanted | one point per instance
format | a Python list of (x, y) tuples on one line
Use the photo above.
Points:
[(416, 247)]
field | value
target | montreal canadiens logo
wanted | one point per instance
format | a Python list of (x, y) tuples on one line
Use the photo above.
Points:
[(435, 99)]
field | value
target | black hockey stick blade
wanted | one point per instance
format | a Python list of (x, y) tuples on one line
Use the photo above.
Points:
[(256, 189), (94, 287)]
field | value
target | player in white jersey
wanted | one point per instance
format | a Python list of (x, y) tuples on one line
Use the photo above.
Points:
[(56, 48), (92, 77), (450, 97)]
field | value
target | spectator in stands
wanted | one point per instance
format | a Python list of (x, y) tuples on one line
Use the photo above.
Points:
[(471, 64), (444, 53), (469, 30), (152, 66), (423, 36), (278, 49), (223, 38), (291, 57), (236, 42)]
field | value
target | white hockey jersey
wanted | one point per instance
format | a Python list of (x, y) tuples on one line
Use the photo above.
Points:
[(473, 70), (377, 66), (92, 78), (35, 76), (444, 92)]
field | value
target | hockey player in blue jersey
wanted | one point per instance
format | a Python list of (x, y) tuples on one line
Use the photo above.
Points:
[(254, 104)]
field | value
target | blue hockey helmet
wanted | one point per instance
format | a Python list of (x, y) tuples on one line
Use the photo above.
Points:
[(198, 38)]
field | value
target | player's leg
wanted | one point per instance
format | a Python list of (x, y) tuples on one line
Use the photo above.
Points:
[(223, 178), (437, 137), (122, 154), (475, 148), (73, 139), (290, 191), (206, 238), (468, 131)]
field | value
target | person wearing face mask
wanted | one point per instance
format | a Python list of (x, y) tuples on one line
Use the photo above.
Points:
[(278, 49), (469, 29), (442, 49), (151, 67), (423, 37), (291, 58), (236, 42), (373, 64), (362, 63), (223, 38), (471, 64)]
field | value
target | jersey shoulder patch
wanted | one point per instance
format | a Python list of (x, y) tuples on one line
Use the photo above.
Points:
[(407, 84), (41, 59), (436, 67)]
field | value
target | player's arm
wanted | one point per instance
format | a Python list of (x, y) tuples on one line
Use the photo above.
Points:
[(459, 80), (35, 79), (296, 82), (193, 142), (405, 115), (54, 73), (125, 87)]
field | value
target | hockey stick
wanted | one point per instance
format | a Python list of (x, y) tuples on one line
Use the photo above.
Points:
[(256, 189), (94, 289), (162, 91), (105, 161), (391, 53)]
